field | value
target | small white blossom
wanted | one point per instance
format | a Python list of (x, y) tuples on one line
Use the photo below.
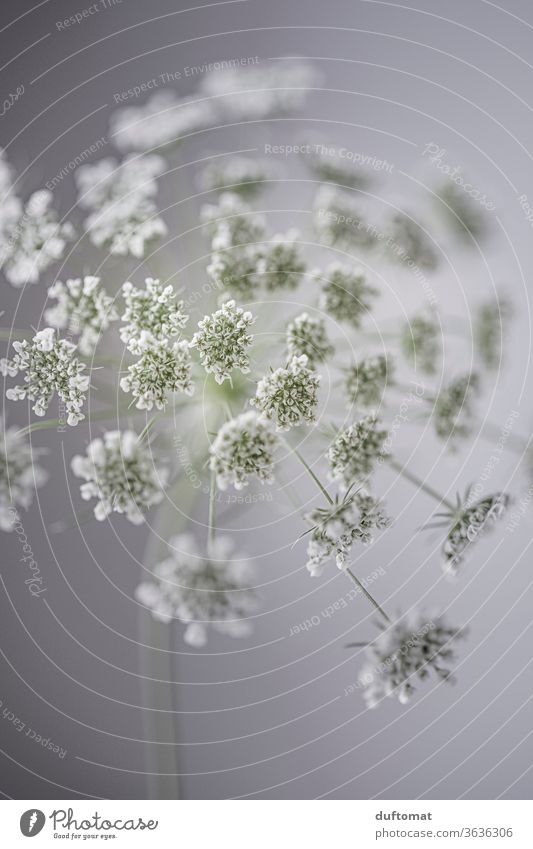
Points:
[(160, 122), (31, 238), (235, 270), (280, 265), (355, 449), (50, 366), (289, 395), (406, 651), (110, 181), (232, 222), (83, 307), (420, 342), (153, 310), (338, 526), (453, 407), (222, 341), (202, 592), (162, 368), (259, 92), (306, 336), (120, 472), (244, 446), (345, 294), (239, 174), (20, 474), (366, 381)]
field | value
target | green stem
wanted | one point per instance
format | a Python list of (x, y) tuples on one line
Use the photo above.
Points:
[(421, 484), (367, 595), (308, 468), (146, 428)]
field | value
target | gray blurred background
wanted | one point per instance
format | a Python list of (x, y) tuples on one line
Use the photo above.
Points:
[(269, 717)]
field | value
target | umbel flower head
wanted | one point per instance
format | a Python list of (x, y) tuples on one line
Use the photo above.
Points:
[(452, 411), (20, 474), (306, 336), (50, 366), (488, 330), (280, 265), (410, 244), (337, 527), (466, 524), (366, 381), (232, 222), (222, 341), (153, 310), (235, 270), (244, 446), (407, 651), (345, 294), (163, 367), (289, 395), (240, 174), (338, 221), (355, 449), (236, 245), (31, 238), (83, 307), (160, 122), (120, 472), (202, 592), (420, 343)]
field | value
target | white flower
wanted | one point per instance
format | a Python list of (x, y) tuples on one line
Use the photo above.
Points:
[(83, 307), (232, 222), (235, 270), (121, 474), (162, 121), (407, 651), (258, 92), (243, 446), (153, 310), (31, 238), (338, 526), (222, 341), (202, 592), (366, 381), (124, 217), (338, 221), (280, 265), (355, 449), (306, 336), (345, 294), (162, 368), (240, 174), (50, 366), (20, 474), (289, 395)]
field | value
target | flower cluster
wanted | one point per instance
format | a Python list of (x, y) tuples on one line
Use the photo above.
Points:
[(339, 525), (306, 336), (409, 242), (240, 174), (20, 475), (50, 366), (338, 221), (488, 330), (222, 341), (231, 222), (467, 523), (213, 591), (289, 395), (236, 249), (121, 474), (153, 310), (31, 238), (243, 446), (327, 170), (452, 409), (365, 381), (420, 343), (465, 217), (280, 265), (162, 121), (355, 449), (83, 307), (123, 214), (405, 651), (345, 294), (162, 368)]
